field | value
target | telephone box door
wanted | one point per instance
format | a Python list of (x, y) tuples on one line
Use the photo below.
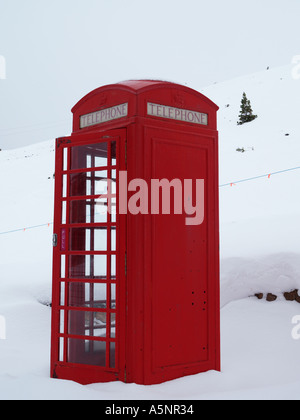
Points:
[(88, 321)]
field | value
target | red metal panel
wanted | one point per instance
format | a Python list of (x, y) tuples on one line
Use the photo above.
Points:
[(181, 280), (136, 246), (56, 258)]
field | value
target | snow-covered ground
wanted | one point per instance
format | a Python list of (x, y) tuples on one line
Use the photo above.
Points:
[(260, 252)]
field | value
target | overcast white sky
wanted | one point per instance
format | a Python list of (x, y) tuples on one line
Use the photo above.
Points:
[(56, 51)]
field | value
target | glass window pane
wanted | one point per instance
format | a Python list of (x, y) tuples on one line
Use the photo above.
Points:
[(92, 324), (113, 296), (87, 266), (89, 186), (62, 322), (89, 156), (114, 178), (65, 185), (62, 294), (112, 355), (88, 161), (78, 265), (78, 240), (64, 213), (63, 266), (65, 159), (113, 153), (100, 239), (88, 239), (91, 239), (88, 211), (87, 352), (61, 350), (101, 209), (113, 325), (113, 239), (88, 295), (113, 267), (77, 294), (78, 210), (88, 183), (100, 262), (113, 209), (78, 184), (99, 296), (99, 182)]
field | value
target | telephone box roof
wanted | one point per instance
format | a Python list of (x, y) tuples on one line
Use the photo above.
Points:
[(137, 87)]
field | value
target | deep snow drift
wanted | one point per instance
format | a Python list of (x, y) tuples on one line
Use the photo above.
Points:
[(260, 252)]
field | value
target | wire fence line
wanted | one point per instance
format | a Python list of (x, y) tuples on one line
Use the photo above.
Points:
[(259, 176), (26, 228), (268, 175)]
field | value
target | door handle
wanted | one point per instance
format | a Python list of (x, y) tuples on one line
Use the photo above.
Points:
[(54, 240)]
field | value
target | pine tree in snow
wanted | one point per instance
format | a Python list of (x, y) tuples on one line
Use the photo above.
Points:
[(246, 113)]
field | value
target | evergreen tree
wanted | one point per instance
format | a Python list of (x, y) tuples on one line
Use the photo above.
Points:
[(246, 113)]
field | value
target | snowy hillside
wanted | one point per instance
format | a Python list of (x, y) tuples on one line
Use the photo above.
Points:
[(260, 251), (260, 217)]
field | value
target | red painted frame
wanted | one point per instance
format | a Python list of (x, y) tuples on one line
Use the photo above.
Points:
[(61, 368), (141, 359)]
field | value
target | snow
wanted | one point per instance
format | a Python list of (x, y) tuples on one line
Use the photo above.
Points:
[(260, 234)]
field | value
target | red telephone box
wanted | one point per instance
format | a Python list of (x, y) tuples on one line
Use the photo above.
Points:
[(136, 237)]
